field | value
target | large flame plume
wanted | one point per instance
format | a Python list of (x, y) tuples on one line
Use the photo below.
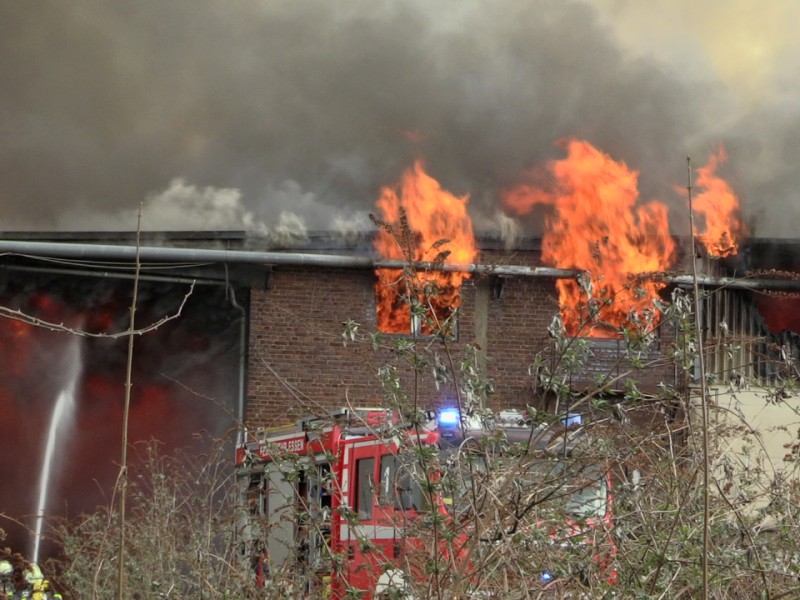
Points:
[(421, 222), (718, 207), (596, 223)]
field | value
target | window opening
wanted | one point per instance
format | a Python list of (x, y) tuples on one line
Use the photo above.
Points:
[(426, 310), (580, 489)]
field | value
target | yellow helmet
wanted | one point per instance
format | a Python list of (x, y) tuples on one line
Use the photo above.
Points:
[(33, 574)]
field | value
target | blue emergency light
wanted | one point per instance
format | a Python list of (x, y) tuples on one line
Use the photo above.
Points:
[(449, 417)]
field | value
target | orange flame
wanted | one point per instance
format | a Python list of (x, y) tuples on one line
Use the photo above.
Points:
[(597, 225), (719, 208), (433, 215)]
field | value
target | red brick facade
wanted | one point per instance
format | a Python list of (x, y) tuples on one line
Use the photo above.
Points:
[(299, 365)]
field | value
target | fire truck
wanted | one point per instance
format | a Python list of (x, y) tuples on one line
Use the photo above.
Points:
[(336, 505)]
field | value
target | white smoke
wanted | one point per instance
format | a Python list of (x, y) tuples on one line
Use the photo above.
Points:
[(351, 226), (185, 207), (510, 229), (290, 230)]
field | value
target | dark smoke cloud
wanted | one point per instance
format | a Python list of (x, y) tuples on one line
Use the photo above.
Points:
[(309, 107)]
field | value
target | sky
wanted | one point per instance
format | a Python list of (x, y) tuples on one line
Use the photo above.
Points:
[(283, 116)]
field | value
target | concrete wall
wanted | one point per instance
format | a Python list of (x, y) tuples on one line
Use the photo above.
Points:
[(757, 434)]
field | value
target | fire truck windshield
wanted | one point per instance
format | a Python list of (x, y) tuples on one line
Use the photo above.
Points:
[(400, 485), (588, 493), (580, 490)]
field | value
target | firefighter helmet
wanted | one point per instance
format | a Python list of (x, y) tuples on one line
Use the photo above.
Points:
[(33, 574)]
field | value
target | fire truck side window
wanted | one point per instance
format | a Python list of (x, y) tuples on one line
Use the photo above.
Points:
[(386, 475), (365, 468), (392, 490), (256, 496), (398, 488)]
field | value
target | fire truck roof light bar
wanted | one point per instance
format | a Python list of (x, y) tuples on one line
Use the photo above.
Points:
[(449, 417)]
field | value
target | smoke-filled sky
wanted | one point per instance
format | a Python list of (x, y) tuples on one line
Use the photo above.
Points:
[(275, 116)]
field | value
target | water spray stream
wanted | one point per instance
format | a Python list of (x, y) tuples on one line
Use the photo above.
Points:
[(61, 418)]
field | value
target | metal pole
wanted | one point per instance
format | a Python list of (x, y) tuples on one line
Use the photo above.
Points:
[(110, 252)]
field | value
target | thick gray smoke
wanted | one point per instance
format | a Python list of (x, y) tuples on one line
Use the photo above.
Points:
[(301, 111)]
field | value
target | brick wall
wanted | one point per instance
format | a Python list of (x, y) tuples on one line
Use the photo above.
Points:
[(299, 365)]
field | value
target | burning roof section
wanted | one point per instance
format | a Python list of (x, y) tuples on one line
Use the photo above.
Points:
[(595, 223)]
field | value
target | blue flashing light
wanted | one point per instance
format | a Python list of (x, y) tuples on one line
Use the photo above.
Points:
[(449, 417), (546, 577)]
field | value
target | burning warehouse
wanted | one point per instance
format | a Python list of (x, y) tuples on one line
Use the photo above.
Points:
[(245, 335), (526, 158), (238, 336)]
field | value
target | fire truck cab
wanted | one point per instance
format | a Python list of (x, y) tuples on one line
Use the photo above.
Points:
[(323, 499), (329, 502), (551, 479)]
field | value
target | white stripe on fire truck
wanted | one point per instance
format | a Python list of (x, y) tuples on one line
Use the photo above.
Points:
[(368, 532), (285, 436), (345, 486), (374, 442), (345, 479)]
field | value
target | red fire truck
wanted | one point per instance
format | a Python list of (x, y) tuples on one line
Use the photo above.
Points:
[(338, 504)]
